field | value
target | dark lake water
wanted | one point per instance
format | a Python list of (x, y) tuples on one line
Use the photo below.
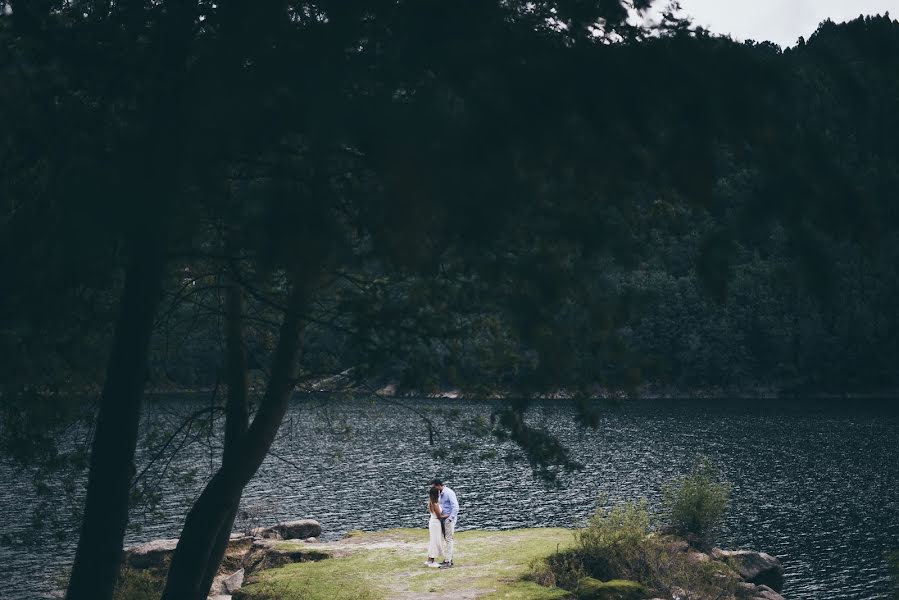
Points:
[(814, 483)]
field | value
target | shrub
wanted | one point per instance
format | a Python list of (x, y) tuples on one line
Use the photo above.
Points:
[(617, 544), (614, 541), (694, 506)]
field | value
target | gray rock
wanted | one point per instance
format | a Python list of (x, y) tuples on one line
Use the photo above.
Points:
[(763, 592), (311, 540), (299, 530), (152, 555), (233, 582), (755, 567), (267, 533)]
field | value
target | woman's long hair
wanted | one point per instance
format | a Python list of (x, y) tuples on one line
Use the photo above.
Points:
[(433, 501)]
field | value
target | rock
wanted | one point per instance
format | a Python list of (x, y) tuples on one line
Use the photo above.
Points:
[(299, 530), (227, 583), (589, 588), (311, 540), (754, 567), (269, 554), (751, 591), (266, 533), (694, 557), (156, 555), (152, 555), (763, 592), (233, 582)]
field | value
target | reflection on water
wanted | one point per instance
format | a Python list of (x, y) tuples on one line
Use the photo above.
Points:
[(814, 484)]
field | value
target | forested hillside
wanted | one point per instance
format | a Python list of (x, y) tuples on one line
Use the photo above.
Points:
[(715, 296), (761, 255)]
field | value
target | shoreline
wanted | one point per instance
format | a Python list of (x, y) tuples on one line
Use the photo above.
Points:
[(388, 564)]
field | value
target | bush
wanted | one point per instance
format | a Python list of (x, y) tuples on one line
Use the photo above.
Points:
[(617, 544), (694, 507), (614, 541)]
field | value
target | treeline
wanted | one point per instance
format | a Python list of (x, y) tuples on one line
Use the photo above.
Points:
[(705, 291)]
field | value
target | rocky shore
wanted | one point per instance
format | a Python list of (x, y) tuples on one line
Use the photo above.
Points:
[(254, 556), (246, 554)]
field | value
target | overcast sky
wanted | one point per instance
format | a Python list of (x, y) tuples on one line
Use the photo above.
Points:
[(780, 21)]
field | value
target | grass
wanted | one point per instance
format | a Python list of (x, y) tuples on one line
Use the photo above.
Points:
[(490, 565)]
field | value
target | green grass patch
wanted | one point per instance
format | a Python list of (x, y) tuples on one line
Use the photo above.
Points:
[(387, 564)]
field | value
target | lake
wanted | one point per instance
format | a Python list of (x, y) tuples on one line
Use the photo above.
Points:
[(815, 483)]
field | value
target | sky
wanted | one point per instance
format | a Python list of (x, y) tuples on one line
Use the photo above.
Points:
[(779, 21)]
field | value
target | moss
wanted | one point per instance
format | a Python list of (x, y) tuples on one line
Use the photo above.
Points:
[(616, 589)]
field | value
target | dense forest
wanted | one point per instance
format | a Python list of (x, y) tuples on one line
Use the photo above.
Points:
[(776, 275), (507, 198)]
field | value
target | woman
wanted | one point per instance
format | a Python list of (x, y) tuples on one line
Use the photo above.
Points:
[(435, 528)]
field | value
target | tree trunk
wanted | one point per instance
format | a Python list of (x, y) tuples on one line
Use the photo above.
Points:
[(237, 410), (99, 553), (212, 515)]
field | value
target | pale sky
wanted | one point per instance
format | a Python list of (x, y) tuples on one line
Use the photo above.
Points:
[(779, 21)]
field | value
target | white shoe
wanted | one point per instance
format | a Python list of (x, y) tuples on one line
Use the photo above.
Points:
[(432, 564)]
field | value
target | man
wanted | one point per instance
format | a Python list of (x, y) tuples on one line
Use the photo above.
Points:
[(449, 506)]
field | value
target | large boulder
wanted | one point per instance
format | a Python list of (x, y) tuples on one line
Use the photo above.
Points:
[(299, 530), (589, 588), (754, 567), (152, 555)]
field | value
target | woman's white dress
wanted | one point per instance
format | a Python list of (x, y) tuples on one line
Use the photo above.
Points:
[(435, 543)]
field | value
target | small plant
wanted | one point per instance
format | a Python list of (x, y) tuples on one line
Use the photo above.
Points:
[(610, 528), (695, 506)]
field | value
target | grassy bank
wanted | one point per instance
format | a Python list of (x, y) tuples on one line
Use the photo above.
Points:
[(389, 564)]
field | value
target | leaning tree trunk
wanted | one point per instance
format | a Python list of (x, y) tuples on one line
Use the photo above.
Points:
[(236, 413), (96, 566), (212, 515)]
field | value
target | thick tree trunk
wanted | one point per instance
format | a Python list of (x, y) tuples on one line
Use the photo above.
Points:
[(99, 551), (212, 515)]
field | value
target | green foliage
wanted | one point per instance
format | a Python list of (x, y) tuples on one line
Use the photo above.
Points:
[(616, 540), (695, 505), (138, 585), (616, 528), (617, 544)]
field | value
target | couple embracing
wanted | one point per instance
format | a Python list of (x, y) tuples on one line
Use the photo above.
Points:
[(444, 509)]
